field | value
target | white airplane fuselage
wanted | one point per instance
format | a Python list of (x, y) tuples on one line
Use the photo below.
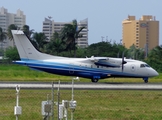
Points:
[(94, 68)]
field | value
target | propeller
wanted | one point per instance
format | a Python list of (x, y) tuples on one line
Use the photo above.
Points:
[(123, 62)]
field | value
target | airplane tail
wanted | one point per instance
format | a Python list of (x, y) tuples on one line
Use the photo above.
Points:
[(25, 48)]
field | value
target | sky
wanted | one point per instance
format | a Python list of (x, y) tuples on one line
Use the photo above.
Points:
[(104, 16)]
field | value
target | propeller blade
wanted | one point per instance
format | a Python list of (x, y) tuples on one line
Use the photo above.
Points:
[(123, 62)]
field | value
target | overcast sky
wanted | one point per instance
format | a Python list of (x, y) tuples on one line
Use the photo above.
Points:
[(104, 16)]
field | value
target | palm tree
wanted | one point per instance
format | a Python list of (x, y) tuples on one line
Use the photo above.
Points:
[(155, 58), (135, 53), (2, 36), (11, 27), (27, 31), (156, 53), (56, 45), (70, 34), (40, 40)]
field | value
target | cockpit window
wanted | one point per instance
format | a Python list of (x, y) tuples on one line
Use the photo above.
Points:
[(144, 65), (147, 65)]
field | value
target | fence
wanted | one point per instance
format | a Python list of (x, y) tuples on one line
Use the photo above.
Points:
[(91, 104)]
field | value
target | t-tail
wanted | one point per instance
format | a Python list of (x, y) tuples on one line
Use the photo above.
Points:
[(25, 48)]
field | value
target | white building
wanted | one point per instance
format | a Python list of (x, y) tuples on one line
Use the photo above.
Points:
[(6, 19), (50, 27)]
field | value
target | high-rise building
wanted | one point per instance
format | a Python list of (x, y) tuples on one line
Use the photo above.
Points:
[(6, 19), (50, 27), (143, 33)]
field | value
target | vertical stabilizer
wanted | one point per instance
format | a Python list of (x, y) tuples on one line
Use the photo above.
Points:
[(25, 48)]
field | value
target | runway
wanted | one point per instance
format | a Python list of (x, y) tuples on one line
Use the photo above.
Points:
[(82, 86)]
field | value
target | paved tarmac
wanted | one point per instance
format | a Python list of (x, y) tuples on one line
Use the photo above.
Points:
[(82, 86)]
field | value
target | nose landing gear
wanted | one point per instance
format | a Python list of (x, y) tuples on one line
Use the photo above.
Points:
[(145, 80), (94, 80)]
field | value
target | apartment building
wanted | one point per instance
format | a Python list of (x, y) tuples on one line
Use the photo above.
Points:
[(143, 33), (50, 27), (6, 19)]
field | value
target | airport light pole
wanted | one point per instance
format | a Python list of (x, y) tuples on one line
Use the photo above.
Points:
[(17, 108), (72, 103)]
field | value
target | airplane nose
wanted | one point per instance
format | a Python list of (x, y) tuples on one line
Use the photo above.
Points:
[(155, 73)]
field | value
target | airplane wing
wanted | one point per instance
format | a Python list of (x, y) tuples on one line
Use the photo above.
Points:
[(107, 61)]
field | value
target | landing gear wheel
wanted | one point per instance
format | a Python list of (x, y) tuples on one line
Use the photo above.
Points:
[(146, 81), (94, 80)]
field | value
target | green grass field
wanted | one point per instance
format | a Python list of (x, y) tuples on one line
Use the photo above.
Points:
[(91, 104)]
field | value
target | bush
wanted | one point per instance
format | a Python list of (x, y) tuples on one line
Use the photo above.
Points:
[(11, 54)]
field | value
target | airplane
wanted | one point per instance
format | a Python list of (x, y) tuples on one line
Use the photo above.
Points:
[(94, 68)]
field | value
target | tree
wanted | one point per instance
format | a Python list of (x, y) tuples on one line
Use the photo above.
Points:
[(135, 53), (40, 40), (11, 27), (27, 31), (105, 49), (2, 36), (70, 33), (118, 50), (11, 53), (56, 45), (154, 58)]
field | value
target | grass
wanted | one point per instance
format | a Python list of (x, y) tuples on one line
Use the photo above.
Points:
[(23, 73), (91, 104)]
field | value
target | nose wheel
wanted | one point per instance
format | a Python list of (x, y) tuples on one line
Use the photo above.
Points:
[(94, 80), (145, 80)]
